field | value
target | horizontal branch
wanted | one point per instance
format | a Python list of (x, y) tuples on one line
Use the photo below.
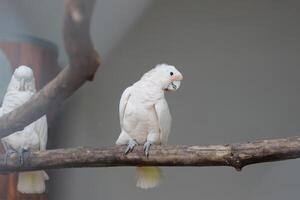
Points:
[(236, 155), (83, 60)]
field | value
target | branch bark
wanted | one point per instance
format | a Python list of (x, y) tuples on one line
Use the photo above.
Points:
[(83, 64), (235, 155)]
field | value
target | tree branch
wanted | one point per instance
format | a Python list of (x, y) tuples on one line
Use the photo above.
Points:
[(235, 155), (83, 60)]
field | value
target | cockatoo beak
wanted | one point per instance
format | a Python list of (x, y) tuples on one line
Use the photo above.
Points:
[(178, 77), (22, 85), (176, 80)]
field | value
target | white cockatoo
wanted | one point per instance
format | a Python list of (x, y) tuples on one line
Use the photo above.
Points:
[(33, 137), (145, 117)]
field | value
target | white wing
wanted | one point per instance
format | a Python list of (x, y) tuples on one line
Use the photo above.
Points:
[(14, 99), (11, 101), (164, 119), (41, 128), (123, 103)]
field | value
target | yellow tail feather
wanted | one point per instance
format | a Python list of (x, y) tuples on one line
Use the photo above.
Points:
[(32, 182), (148, 177)]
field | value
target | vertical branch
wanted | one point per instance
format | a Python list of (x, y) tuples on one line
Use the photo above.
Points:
[(83, 64), (77, 20)]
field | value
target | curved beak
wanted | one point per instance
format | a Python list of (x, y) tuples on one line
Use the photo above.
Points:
[(177, 77), (173, 86)]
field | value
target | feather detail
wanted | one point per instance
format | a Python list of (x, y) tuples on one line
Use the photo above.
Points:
[(32, 182), (148, 177)]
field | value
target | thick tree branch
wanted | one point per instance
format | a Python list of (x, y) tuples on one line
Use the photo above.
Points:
[(235, 155), (83, 60)]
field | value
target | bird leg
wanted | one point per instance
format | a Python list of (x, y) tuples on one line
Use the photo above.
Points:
[(147, 146), (130, 146), (22, 153), (8, 153)]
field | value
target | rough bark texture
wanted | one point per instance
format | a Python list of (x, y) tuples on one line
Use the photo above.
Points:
[(235, 155), (83, 60)]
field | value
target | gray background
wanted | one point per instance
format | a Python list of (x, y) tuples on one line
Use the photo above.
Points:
[(240, 61)]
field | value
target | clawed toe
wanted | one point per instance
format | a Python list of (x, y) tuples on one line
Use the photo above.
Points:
[(130, 146), (147, 146), (8, 153), (21, 155)]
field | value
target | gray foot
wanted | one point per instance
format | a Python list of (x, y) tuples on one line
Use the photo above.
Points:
[(130, 146), (8, 153), (22, 153), (147, 146)]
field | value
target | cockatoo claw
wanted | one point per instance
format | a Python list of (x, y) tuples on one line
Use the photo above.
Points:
[(7, 154), (130, 146), (21, 155), (147, 146)]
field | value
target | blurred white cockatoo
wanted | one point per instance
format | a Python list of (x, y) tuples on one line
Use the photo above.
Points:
[(145, 117), (34, 136)]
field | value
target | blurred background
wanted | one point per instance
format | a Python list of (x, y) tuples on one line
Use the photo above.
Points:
[(240, 62)]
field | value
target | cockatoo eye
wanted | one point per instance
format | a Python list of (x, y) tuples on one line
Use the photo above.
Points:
[(171, 73)]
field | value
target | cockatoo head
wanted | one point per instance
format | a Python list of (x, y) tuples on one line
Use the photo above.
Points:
[(22, 80), (167, 76)]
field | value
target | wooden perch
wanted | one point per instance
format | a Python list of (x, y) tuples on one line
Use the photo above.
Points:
[(83, 64), (235, 155)]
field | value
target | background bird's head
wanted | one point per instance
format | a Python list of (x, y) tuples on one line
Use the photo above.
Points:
[(167, 76), (22, 80)]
